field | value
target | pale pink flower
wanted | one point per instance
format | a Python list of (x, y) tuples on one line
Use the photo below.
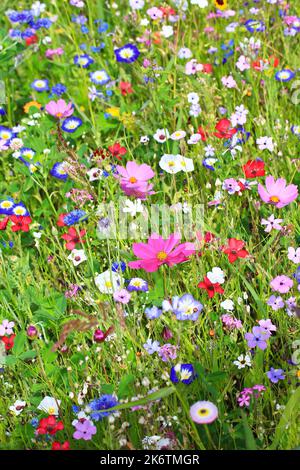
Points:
[(59, 109), (277, 192)]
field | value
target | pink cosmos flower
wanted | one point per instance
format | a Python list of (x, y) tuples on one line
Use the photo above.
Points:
[(59, 109), (50, 53), (158, 251), (277, 192), (134, 179)]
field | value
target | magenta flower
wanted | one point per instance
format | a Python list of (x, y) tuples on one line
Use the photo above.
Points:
[(281, 284), (84, 430), (277, 192), (158, 251), (59, 109), (134, 179)]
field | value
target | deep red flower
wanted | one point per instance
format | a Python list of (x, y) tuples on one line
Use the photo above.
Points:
[(49, 425), (207, 68), (32, 40), (21, 222), (58, 446), (203, 133), (125, 88), (254, 168), (224, 129), (73, 237), (235, 249), (3, 223), (8, 341), (60, 222), (210, 288), (117, 151)]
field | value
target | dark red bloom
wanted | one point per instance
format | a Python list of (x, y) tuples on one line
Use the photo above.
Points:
[(8, 341), (58, 446), (3, 223), (73, 237), (235, 249), (254, 168), (32, 40), (210, 288), (100, 335), (125, 88), (203, 133), (117, 151), (224, 129), (20, 222), (60, 222), (49, 425)]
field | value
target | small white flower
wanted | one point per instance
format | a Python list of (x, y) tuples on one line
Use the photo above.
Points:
[(94, 174), (294, 255), (243, 361), (108, 282), (227, 305), (161, 135), (167, 31), (193, 98), (18, 407), (216, 275), (184, 53), (177, 135)]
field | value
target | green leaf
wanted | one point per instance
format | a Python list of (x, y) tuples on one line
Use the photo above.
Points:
[(19, 343), (164, 392), (291, 411), (125, 382), (249, 438), (27, 355)]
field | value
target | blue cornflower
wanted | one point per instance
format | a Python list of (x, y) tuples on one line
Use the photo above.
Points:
[(209, 163), (128, 53), (118, 267), (71, 124), (34, 422), (2, 111), (19, 209), (137, 284), (74, 217), (255, 25), (99, 77), (58, 89), (6, 206), (153, 312), (185, 307), (284, 75), (27, 152), (84, 29), (99, 405), (6, 133), (184, 373)]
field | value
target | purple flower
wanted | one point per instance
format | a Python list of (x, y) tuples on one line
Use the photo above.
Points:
[(275, 302), (281, 284), (167, 352), (153, 312), (257, 338), (267, 325), (275, 375), (84, 430)]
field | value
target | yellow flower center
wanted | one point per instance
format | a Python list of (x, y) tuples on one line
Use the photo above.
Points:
[(132, 179), (162, 255), (203, 412), (274, 199), (51, 411)]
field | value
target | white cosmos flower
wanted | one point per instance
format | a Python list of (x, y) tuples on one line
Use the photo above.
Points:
[(77, 256), (49, 405), (186, 164), (216, 275), (170, 163), (167, 31), (161, 135), (108, 282)]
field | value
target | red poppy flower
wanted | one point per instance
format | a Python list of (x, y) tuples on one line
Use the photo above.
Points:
[(32, 40), (167, 11), (20, 222), (60, 222), (254, 168), (3, 223), (49, 425), (117, 151), (224, 129), (125, 88), (203, 133), (210, 288), (207, 68), (73, 237), (235, 249), (58, 446), (8, 341)]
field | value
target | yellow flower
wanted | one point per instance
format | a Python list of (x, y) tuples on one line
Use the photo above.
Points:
[(221, 4), (33, 104), (114, 112)]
